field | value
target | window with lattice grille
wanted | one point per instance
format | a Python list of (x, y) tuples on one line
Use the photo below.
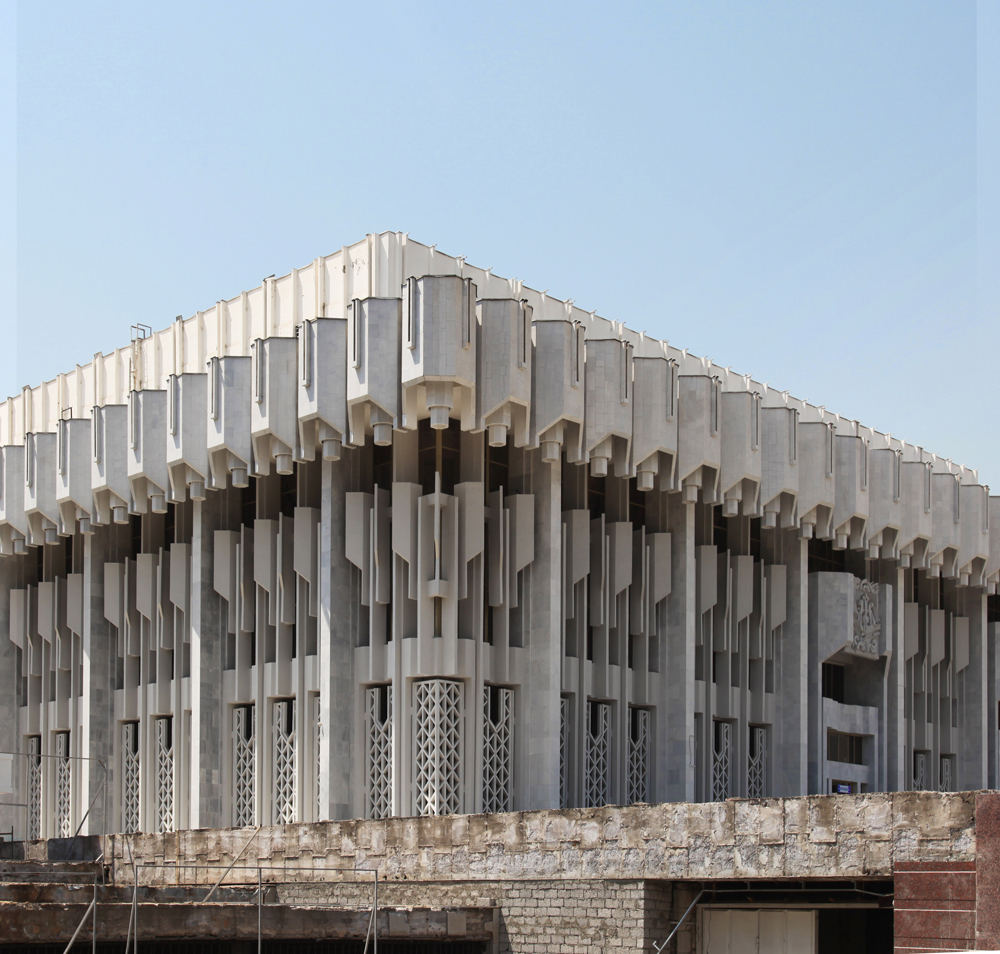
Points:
[(920, 760), (164, 727), (438, 746), (130, 777), (283, 743), (378, 718), (244, 765), (946, 782), (498, 748), (318, 762), (757, 762), (34, 786), (565, 726), (722, 760), (638, 755), (63, 786), (598, 779)]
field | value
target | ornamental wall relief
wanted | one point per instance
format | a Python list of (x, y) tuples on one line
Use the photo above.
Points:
[(867, 625)]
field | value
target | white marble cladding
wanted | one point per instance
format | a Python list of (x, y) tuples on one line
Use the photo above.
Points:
[(390, 467)]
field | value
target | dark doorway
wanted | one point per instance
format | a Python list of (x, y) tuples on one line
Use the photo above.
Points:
[(857, 930)]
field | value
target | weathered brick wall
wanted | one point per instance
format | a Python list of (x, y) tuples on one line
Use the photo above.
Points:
[(551, 916)]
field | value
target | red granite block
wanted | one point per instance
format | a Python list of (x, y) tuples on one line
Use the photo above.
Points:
[(920, 945), (933, 904), (935, 925), (988, 870), (952, 885), (935, 866)]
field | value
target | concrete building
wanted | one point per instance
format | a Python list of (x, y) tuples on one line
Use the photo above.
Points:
[(394, 536)]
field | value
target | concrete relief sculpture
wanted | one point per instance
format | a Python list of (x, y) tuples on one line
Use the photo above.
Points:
[(867, 625)]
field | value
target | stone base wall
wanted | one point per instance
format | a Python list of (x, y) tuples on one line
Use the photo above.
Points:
[(585, 880)]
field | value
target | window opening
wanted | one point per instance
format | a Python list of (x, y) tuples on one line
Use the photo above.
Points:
[(439, 451), (638, 755), (379, 729), (438, 727), (498, 748), (34, 786), (598, 780), (833, 682), (283, 741), (63, 786), (164, 774), (757, 762), (130, 777), (244, 765), (844, 747), (722, 753)]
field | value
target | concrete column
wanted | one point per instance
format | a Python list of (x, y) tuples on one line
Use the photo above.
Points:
[(544, 629), (209, 620), (972, 750), (897, 772), (675, 736), (337, 605), (97, 710), (10, 676), (797, 687)]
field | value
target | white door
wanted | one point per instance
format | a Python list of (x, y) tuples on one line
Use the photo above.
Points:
[(747, 931)]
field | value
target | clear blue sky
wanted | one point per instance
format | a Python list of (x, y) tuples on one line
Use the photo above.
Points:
[(788, 187)]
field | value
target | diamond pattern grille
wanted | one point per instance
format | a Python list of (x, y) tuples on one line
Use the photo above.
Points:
[(564, 728), (244, 765), (438, 747), (164, 773), (63, 786), (598, 791), (35, 787), (498, 750), (378, 715), (130, 777), (722, 752), (284, 761), (757, 762), (638, 755), (946, 782)]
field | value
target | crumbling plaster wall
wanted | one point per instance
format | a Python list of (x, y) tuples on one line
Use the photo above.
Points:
[(829, 836)]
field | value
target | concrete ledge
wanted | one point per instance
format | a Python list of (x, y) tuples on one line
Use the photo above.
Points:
[(829, 836)]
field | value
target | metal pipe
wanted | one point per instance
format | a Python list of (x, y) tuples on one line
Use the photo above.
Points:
[(79, 927), (260, 904), (135, 910), (93, 924), (659, 947), (135, 888), (208, 897), (89, 807), (368, 931), (375, 917)]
